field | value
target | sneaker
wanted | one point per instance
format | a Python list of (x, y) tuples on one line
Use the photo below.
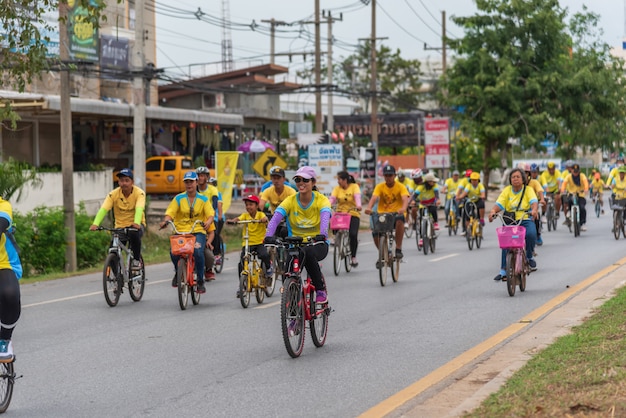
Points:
[(218, 260), (6, 351), (406, 225), (201, 289), (481, 222), (436, 226), (583, 228), (238, 294), (353, 262), (539, 241), (557, 216), (321, 296), (379, 264), (421, 243), (463, 233), (174, 281), (135, 265), (399, 254), (293, 328), (533, 264), (499, 277), (269, 272), (209, 275)]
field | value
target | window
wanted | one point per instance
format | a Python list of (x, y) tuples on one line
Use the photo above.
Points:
[(153, 165), (170, 165), (186, 164)]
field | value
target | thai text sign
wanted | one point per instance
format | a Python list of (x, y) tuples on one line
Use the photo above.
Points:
[(327, 160), (437, 142), (394, 129)]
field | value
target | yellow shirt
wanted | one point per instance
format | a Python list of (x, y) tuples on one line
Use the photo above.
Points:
[(256, 231), (551, 182), (304, 221), (426, 197), (390, 198), (179, 210), (536, 186), (345, 198), (462, 184), (509, 200), (451, 187), (474, 193), (569, 185), (126, 210), (408, 183), (275, 199), (619, 187), (9, 258), (597, 185)]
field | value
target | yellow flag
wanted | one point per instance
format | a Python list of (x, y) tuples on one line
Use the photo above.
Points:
[(225, 167)]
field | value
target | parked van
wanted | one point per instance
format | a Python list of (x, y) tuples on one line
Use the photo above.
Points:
[(164, 174)]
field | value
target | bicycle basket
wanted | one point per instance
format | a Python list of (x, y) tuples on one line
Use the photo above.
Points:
[(618, 204), (384, 222), (513, 236), (182, 244), (340, 221)]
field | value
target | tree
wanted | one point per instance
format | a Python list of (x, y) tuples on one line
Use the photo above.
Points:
[(14, 176)]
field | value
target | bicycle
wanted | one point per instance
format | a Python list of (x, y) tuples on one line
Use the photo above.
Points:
[(409, 226), (551, 219), (474, 232), (513, 239), (384, 226), (118, 271), (253, 273), (427, 230), (597, 207), (7, 380), (453, 220), (340, 222), (183, 244), (298, 300), (573, 220), (619, 207), (220, 257)]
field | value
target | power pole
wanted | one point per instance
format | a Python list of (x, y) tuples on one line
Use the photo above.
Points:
[(67, 154), (374, 123), (273, 23), (139, 98), (443, 47), (329, 60), (318, 76)]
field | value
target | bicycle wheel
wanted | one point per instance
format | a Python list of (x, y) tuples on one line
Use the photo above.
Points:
[(347, 254), (137, 284), (554, 219), (244, 293), (524, 271), (408, 230), (623, 228), (511, 276), (479, 234), (337, 253), (468, 235), (383, 253), (425, 236), (220, 266), (292, 317), (549, 215), (598, 208), (418, 236), (617, 221), (395, 264), (575, 221), (183, 286), (7, 379), (195, 296), (110, 279), (258, 291), (318, 322)]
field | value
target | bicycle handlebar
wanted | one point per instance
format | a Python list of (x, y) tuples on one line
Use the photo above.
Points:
[(176, 231), (296, 241), (124, 229), (247, 221)]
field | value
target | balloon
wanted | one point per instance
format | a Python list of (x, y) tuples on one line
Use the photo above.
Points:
[(342, 137), (334, 136)]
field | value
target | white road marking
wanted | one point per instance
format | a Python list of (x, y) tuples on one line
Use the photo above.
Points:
[(269, 305), (444, 257)]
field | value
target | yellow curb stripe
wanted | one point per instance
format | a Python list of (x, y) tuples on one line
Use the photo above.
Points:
[(395, 401)]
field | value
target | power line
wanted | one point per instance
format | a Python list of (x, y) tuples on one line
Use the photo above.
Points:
[(400, 26), (421, 19)]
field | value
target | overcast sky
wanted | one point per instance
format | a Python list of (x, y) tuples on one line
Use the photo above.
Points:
[(184, 41)]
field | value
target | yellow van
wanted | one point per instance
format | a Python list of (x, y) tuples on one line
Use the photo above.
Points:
[(164, 174)]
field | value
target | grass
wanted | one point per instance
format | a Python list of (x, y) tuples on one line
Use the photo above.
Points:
[(580, 374), (155, 250)]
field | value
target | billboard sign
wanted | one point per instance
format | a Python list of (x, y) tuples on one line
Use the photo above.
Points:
[(437, 142)]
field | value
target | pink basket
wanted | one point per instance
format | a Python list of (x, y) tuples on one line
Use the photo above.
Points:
[(340, 221), (513, 236)]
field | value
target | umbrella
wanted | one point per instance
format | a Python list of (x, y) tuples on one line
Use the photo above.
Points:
[(255, 145)]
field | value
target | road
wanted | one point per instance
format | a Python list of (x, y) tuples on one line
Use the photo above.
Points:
[(79, 357)]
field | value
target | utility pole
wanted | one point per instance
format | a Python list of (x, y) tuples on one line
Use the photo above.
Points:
[(374, 123), (273, 23), (318, 76), (139, 98), (329, 60), (67, 154), (443, 47)]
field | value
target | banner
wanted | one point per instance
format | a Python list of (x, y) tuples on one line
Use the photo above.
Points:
[(437, 142), (225, 168), (394, 129), (327, 160)]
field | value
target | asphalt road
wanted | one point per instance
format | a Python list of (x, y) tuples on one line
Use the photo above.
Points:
[(79, 357)]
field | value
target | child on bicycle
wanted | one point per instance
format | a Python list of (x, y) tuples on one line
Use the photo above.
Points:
[(256, 234), (597, 189)]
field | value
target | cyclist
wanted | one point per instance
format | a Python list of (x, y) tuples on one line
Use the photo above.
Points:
[(614, 174), (576, 183), (536, 186), (276, 194), (402, 179), (220, 217), (10, 274), (460, 188), (474, 192), (518, 199), (428, 195), (392, 197), (417, 177), (256, 234), (128, 203), (597, 189), (184, 210), (308, 215), (347, 196), (534, 172), (551, 180), (211, 192), (451, 185)]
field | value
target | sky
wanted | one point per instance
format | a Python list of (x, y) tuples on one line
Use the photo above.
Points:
[(187, 45)]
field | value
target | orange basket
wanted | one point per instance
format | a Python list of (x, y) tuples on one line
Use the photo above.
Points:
[(182, 244)]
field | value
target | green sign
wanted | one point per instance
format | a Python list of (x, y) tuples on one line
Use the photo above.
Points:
[(83, 34)]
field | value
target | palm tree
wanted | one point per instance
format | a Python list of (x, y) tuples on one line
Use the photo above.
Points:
[(14, 176)]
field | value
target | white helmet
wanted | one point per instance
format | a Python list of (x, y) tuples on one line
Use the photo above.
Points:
[(416, 174)]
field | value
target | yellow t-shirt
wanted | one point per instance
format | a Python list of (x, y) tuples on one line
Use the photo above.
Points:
[(509, 200), (536, 186), (390, 198), (124, 208), (613, 174), (569, 185), (462, 184), (345, 198), (408, 183), (619, 187), (9, 258), (550, 182), (179, 210), (597, 185), (304, 221), (474, 193), (451, 187), (426, 197), (275, 199), (256, 231)]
